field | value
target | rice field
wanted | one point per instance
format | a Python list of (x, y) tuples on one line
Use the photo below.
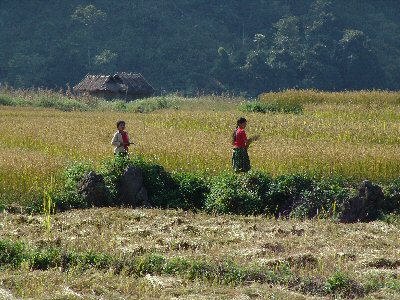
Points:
[(353, 134)]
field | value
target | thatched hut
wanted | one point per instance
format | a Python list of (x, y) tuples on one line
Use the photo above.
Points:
[(126, 86)]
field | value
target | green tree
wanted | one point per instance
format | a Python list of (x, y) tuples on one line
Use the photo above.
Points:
[(319, 67), (359, 65), (88, 16), (285, 55)]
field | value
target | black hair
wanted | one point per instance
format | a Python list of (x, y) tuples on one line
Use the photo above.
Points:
[(120, 122), (241, 120)]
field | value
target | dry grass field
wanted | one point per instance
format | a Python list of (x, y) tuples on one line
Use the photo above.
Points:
[(366, 255)]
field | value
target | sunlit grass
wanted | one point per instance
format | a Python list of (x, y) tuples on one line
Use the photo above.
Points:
[(354, 134)]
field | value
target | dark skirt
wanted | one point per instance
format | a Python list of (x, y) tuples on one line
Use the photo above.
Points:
[(240, 160)]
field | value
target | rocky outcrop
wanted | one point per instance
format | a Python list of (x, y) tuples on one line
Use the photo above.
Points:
[(365, 206), (93, 190), (131, 190)]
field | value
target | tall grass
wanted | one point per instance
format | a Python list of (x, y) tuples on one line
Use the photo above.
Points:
[(351, 134)]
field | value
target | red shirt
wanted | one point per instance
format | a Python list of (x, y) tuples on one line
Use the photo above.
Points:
[(241, 139)]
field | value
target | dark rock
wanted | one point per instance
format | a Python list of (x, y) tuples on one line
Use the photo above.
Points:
[(143, 198), (372, 192), (130, 185), (93, 189), (364, 207)]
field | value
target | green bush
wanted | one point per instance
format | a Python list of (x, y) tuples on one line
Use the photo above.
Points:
[(149, 264), (149, 105), (273, 107), (325, 199), (176, 266), (337, 282), (68, 197), (162, 189), (286, 190), (295, 195), (232, 193), (45, 259), (392, 197), (192, 190), (12, 254), (340, 284)]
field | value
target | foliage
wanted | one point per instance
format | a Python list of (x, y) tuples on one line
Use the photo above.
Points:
[(149, 105), (262, 45), (68, 196), (232, 193), (12, 254), (192, 190), (44, 259), (278, 107), (392, 199)]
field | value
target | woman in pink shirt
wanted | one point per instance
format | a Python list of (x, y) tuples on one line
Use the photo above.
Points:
[(240, 143)]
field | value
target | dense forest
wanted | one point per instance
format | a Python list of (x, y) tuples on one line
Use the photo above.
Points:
[(192, 46)]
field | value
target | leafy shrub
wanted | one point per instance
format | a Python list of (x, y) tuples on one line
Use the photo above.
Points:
[(342, 285), (6, 100), (232, 193), (45, 259), (192, 190), (337, 282), (201, 270), (112, 170), (93, 259), (149, 105), (273, 107), (176, 266), (149, 264), (392, 196), (12, 254), (325, 199), (286, 190), (161, 187), (68, 197)]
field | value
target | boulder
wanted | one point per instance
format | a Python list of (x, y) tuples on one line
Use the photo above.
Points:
[(143, 198), (93, 189), (365, 206), (131, 190)]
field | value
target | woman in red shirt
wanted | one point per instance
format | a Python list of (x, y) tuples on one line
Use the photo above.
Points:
[(240, 143)]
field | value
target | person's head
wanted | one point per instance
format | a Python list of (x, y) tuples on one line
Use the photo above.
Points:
[(121, 125), (241, 123)]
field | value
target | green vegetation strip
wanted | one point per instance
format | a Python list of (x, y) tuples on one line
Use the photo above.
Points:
[(17, 254), (293, 195)]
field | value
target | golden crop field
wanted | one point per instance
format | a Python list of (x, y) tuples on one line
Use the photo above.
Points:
[(354, 134)]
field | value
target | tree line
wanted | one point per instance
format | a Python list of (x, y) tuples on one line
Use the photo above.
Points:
[(240, 46)]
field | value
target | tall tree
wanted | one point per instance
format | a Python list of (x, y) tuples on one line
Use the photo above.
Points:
[(359, 65)]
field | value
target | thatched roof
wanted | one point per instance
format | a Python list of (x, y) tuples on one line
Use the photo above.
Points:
[(120, 83)]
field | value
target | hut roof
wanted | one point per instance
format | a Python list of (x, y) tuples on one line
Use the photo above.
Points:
[(127, 83)]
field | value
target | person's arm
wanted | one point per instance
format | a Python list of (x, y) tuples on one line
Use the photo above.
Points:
[(251, 140), (115, 141)]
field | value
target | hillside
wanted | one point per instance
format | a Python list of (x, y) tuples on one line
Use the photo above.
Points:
[(200, 46)]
